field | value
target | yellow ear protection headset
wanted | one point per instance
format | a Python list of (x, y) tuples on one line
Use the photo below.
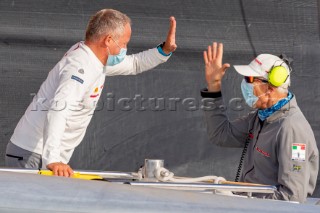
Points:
[(279, 74)]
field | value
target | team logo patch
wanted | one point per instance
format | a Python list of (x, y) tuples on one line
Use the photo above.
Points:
[(298, 152), (81, 71), (296, 168), (77, 79)]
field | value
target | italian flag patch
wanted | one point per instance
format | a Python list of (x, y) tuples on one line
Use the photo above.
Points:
[(298, 152)]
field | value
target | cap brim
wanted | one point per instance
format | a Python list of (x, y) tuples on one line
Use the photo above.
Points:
[(246, 70)]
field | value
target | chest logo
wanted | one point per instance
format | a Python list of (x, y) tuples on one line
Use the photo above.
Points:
[(263, 152), (77, 79), (95, 93)]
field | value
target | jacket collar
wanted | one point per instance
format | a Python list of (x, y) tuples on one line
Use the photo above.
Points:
[(93, 57), (290, 107)]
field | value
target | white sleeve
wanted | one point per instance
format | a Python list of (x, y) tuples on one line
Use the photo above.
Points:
[(70, 91), (137, 63)]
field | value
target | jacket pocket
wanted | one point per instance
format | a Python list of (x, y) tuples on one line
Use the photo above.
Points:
[(14, 156)]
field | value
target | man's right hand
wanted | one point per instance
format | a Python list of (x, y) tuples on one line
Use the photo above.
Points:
[(170, 44), (213, 66), (60, 169)]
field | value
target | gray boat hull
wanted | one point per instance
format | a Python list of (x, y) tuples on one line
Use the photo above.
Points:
[(36, 193)]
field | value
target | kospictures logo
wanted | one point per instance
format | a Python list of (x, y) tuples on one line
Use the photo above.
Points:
[(111, 102)]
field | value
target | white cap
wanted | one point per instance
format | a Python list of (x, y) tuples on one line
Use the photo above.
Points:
[(261, 65)]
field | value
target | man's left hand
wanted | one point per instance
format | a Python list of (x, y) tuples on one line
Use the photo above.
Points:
[(170, 45), (60, 169)]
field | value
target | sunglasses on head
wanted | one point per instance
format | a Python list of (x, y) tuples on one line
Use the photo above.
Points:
[(250, 79)]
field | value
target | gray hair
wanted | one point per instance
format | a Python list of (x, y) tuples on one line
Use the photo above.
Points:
[(284, 87), (104, 22)]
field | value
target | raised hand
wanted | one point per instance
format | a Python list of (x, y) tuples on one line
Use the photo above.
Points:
[(213, 66), (170, 45)]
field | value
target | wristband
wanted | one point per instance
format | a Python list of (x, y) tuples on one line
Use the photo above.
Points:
[(206, 94), (160, 50)]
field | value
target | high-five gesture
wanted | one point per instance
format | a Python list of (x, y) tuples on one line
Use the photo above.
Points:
[(213, 66), (170, 45)]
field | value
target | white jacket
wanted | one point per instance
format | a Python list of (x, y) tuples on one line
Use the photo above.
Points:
[(57, 118)]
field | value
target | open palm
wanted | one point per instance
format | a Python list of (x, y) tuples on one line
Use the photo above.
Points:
[(170, 44), (214, 69)]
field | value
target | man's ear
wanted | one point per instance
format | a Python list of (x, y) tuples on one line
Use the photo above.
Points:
[(107, 40)]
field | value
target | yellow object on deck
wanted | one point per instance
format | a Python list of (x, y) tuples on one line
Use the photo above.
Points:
[(75, 175)]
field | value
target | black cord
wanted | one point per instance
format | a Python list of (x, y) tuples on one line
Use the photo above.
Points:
[(287, 60), (319, 17), (244, 18), (244, 151)]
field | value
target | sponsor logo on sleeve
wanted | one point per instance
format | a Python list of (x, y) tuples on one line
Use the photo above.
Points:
[(296, 168), (298, 152), (77, 79)]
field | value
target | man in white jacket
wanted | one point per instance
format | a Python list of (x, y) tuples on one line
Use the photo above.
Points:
[(56, 120)]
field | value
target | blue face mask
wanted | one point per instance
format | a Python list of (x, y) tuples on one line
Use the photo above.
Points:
[(247, 92), (116, 59)]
